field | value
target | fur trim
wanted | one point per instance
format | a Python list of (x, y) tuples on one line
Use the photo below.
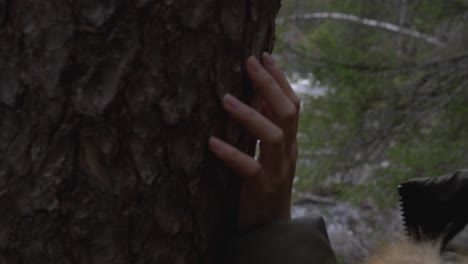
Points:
[(408, 252), (458, 258)]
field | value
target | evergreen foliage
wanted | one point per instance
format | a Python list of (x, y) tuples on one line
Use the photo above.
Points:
[(396, 105)]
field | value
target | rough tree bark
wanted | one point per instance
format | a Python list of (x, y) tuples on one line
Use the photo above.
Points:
[(106, 107)]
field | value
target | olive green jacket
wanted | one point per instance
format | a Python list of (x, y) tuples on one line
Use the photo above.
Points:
[(433, 208), (299, 241)]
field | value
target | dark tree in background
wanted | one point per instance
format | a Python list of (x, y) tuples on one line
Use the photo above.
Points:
[(106, 107)]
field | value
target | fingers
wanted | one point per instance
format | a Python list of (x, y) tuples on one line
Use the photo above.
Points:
[(238, 161), (278, 94), (270, 91), (256, 123), (266, 183), (278, 75)]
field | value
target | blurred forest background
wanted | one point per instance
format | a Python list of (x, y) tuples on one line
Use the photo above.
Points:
[(385, 98)]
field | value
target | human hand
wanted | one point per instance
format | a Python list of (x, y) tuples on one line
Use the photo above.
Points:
[(266, 183)]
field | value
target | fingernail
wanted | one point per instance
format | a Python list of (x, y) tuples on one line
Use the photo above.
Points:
[(268, 59), (231, 102), (216, 144), (253, 64)]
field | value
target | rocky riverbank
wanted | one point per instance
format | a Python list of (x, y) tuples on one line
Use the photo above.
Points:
[(354, 231)]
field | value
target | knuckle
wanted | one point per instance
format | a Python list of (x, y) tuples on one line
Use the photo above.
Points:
[(289, 113), (297, 103), (277, 137)]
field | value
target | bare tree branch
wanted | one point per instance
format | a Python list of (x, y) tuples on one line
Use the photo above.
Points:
[(453, 63), (366, 22)]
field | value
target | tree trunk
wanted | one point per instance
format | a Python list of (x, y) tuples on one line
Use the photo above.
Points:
[(106, 107)]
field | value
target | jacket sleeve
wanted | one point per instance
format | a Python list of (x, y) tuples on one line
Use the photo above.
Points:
[(299, 241)]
